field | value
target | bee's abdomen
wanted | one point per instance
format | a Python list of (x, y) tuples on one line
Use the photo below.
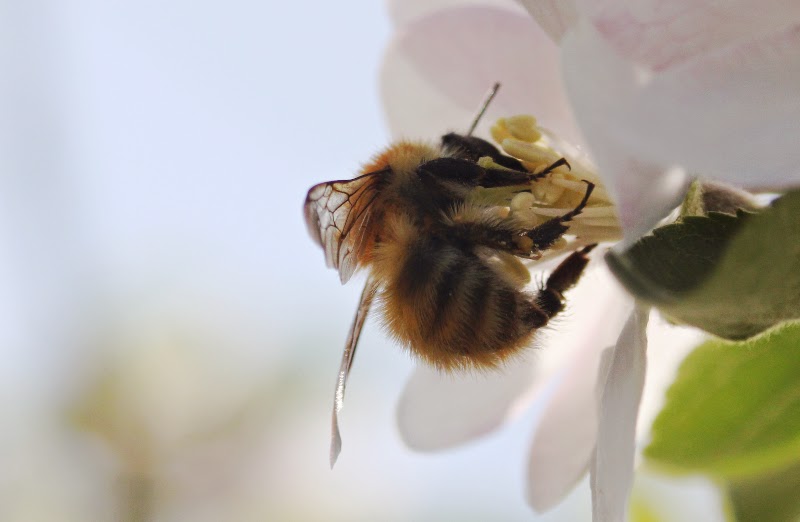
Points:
[(449, 307)]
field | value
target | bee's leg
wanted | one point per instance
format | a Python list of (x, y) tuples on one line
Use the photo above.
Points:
[(492, 235), (550, 298), (506, 178), (550, 231), (561, 162), (469, 173), (472, 148), (458, 170)]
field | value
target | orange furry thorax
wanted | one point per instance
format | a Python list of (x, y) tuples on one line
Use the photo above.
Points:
[(401, 157)]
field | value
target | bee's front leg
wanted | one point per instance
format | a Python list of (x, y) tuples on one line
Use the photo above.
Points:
[(508, 178), (474, 225), (468, 173), (545, 235), (493, 233), (473, 148)]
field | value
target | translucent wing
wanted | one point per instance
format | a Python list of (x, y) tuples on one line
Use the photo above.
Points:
[(337, 215), (347, 362)]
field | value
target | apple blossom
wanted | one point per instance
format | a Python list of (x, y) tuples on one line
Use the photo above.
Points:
[(655, 91)]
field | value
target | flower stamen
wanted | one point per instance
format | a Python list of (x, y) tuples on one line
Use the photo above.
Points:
[(559, 191)]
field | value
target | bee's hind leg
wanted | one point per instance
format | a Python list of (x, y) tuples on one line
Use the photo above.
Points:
[(551, 296)]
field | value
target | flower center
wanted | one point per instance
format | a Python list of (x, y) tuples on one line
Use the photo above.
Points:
[(558, 192)]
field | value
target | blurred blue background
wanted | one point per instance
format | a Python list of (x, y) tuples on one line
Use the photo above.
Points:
[(169, 334)]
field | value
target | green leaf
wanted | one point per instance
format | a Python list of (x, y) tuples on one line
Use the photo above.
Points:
[(693, 204), (772, 497), (734, 409), (733, 276), (676, 258)]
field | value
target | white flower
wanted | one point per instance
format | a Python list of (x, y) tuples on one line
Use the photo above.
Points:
[(655, 91), (658, 89)]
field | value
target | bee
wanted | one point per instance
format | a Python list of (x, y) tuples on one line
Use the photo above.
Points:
[(437, 256)]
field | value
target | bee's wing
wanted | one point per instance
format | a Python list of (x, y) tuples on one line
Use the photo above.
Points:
[(337, 213), (370, 288)]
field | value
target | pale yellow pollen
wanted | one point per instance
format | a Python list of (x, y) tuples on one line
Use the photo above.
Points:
[(529, 152), (499, 130), (527, 216), (488, 163), (522, 201), (553, 195), (598, 194), (547, 192), (522, 127), (512, 268)]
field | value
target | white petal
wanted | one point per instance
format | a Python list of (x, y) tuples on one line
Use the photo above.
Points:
[(644, 192), (565, 436), (438, 411), (415, 108), (668, 346), (660, 34), (403, 11), (554, 16), (452, 57), (612, 469), (730, 115)]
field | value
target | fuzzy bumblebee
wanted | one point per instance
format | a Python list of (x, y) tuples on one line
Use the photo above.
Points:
[(441, 230)]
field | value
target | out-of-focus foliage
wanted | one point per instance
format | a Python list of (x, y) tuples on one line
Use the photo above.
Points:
[(770, 497), (734, 409)]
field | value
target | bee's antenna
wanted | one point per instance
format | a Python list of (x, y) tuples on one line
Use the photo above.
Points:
[(484, 106)]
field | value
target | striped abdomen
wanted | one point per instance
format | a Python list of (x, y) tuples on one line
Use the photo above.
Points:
[(451, 308)]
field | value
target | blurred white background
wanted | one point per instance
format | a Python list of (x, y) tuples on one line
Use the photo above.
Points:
[(169, 334)]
